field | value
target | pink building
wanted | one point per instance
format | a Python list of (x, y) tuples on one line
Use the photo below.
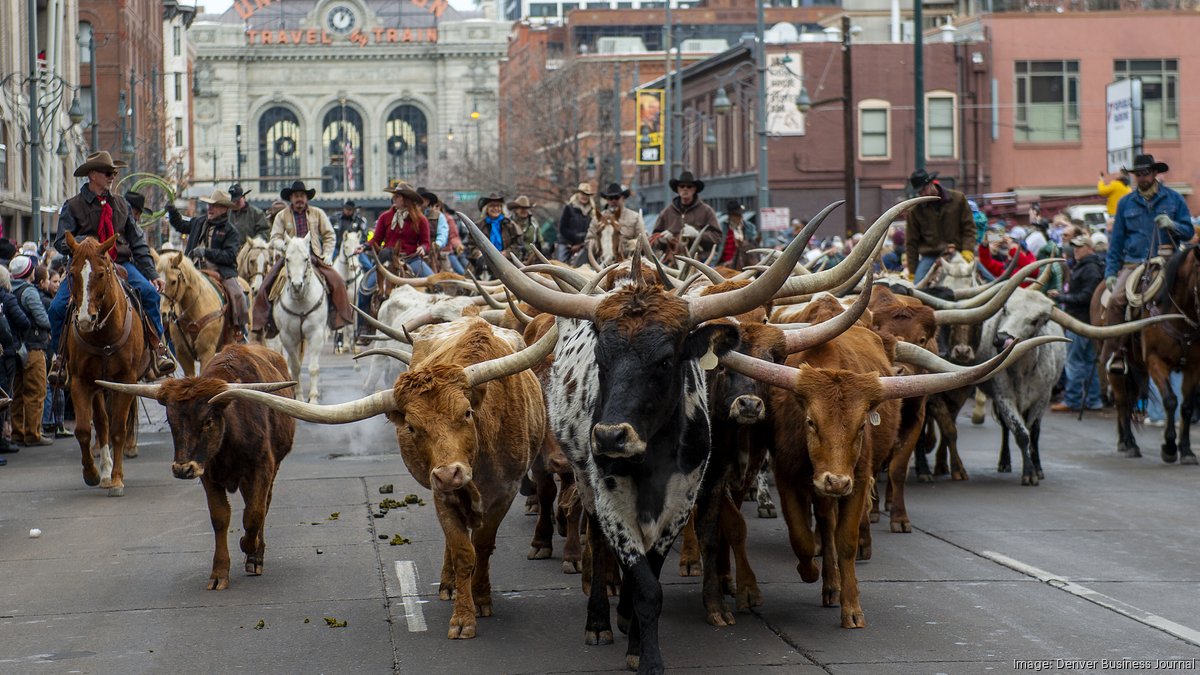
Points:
[(1050, 72)]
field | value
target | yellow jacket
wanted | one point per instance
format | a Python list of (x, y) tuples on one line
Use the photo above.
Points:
[(1113, 192)]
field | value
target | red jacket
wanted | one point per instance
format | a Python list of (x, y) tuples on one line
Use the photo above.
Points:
[(997, 267), (411, 235)]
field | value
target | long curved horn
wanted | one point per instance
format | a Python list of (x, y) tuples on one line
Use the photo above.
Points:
[(1042, 279), (5, 403), (1106, 332), (492, 302), (826, 279), (399, 355), (381, 326), (769, 372), (993, 305), (713, 275), (397, 280), (687, 283), (591, 285), (524, 318), (494, 316), (592, 258), (143, 390), (575, 279), (664, 276), (965, 293), (512, 364), (761, 290), (912, 386), (544, 299), (342, 413), (538, 254), (916, 355), (262, 386), (807, 338)]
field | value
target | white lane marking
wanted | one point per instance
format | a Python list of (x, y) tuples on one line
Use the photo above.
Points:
[(85, 278), (406, 573), (1141, 616)]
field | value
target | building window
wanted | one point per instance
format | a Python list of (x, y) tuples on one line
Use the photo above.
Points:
[(1047, 101), (939, 125), (1160, 94), (85, 42), (178, 86), (874, 127), (341, 138), (278, 147), (543, 9), (179, 132), (407, 134), (177, 40)]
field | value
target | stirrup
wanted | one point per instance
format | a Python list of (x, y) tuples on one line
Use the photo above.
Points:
[(57, 376)]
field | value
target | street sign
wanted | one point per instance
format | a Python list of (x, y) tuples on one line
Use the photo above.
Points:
[(649, 127), (775, 218), (1123, 122), (466, 197)]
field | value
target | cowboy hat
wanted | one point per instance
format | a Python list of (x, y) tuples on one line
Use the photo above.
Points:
[(521, 202), (349, 204), (219, 198), (615, 190), (484, 201), (686, 178), (585, 189), (429, 197), (405, 190), (733, 206), (920, 178), (1146, 162), (236, 192), (297, 186), (137, 201), (99, 161)]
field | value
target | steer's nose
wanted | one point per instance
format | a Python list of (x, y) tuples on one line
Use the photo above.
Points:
[(449, 477), (748, 409), (610, 439), (834, 484), (962, 354), (187, 471), (1001, 341)]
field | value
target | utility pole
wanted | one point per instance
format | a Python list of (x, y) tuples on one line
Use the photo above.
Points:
[(918, 85), (617, 173), (35, 134), (95, 113), (677, 110), (133, 122), (763, 191), (848, 139), (669, 133)]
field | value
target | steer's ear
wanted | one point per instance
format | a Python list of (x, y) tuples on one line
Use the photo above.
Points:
[(718, 337)]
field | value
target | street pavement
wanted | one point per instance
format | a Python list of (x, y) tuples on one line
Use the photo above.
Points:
[(1098, 562)]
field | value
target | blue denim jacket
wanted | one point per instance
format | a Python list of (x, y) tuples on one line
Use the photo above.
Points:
[(1134, 227)]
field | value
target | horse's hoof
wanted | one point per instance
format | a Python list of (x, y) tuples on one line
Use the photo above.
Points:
[(598, 637), (767, 511), (106, 483), (571, 567), (539, 553), (1133, 453), (130, 453), (1029, 479), (1004, 468), (91, 479), (924, 478), (902, 526), (1188, 459), (118, 491)]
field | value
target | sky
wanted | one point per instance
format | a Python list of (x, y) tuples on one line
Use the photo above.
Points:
[(218, 6)]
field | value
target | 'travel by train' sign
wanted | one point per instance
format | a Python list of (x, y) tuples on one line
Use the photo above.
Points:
[(339, 24)]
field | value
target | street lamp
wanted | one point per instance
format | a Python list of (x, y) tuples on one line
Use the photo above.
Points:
[(721, 103), (450, 134)]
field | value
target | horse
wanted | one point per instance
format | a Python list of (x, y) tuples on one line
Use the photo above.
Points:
[(253, 262), (348, 265), (194, 310), (606, 247), (105, 341), (300, 313)]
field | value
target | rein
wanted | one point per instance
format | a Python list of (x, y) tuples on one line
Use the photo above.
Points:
[(192, 327)]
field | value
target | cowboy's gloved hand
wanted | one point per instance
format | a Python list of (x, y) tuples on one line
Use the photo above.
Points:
[(1110, 282), (199, 252), (1164, 221), (969, 256), (667, 235)]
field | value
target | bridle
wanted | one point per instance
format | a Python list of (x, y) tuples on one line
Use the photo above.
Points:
[(295, 290)]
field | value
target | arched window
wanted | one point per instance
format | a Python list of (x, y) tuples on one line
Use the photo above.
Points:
[(85, 42), (278, 147), (342, 140), (407, 144)]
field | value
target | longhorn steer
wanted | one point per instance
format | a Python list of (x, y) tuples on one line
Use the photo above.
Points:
[(228, 445), (468, 420)]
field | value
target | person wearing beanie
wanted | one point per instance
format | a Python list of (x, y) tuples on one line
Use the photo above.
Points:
[(29, 383)]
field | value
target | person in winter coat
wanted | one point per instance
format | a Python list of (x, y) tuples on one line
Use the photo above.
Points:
[(1083, 380), (445, 237), (997, 250), (10, 361), (54, 408), (573, 224), (29, 386), (213, 242), (687, 209), (938, 227)]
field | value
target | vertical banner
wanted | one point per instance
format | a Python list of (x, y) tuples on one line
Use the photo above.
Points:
[(783, 86), (649, 127), (348, 161), (1123, 123)]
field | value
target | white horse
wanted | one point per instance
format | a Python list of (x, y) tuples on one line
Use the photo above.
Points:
[(349, 267), (300, 314)]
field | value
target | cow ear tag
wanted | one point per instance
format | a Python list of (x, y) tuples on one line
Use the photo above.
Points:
[(709, 360), (873, 418)]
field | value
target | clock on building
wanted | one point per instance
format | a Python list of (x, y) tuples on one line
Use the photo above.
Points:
[(341, 19)]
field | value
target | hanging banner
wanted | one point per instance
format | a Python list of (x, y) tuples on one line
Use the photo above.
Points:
[(1123, 125), (783, 86), (649, 127)]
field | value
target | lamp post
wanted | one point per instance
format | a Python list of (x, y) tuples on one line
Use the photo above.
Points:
[(804, 104), (761, 57)]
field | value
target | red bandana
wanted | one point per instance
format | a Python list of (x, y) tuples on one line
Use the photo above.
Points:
[(106, 230)]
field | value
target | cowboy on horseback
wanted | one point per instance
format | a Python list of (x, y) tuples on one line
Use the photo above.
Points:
[(629, 224), (213, 243), (686, 210), (303, 220), (1153, 220), (96, 212)]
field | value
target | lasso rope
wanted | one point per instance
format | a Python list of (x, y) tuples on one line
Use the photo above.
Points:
[(143, 179)]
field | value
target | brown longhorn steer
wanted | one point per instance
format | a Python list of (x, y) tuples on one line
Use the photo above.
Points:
[(468, 420), (229, 445)]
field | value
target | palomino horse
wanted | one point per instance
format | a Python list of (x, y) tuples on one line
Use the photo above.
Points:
[(300, 313), (105, 341), (196, 314), (253, 262), (349, 267)]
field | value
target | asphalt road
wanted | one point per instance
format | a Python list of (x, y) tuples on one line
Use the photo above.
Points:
[(1098, 562)]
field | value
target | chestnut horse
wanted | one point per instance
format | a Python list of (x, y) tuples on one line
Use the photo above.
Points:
[(105, 341)]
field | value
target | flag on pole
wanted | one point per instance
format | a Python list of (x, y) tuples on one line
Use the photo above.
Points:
[(348, 163)]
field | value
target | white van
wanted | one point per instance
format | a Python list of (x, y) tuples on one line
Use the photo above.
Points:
[(1095, 216)]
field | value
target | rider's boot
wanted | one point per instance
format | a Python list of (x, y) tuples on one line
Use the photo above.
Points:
[(164, 364)]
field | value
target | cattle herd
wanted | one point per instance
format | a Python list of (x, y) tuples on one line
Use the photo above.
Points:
[(643, 400)]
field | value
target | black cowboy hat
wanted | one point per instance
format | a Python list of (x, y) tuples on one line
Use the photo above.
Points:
[(920, 178), (429, 197), (236, 192), (297, 186), (349, 204), (614, 190), (137, 201), (733, 206), (686, 178), (1146, 162), (484, 201)]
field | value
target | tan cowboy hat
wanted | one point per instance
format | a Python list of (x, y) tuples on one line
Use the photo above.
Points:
[(405, 190), (219, 198), (99, 161), (585, 189), (521, 202)]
